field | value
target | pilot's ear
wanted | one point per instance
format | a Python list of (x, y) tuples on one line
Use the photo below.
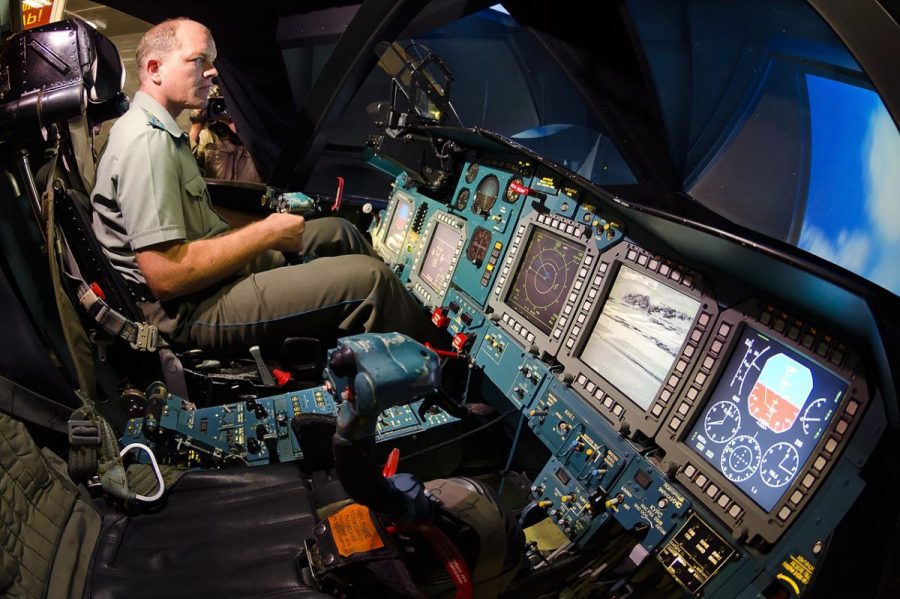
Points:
[(154, 65)]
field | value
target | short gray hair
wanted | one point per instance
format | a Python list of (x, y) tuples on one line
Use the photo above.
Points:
[(159, 41)]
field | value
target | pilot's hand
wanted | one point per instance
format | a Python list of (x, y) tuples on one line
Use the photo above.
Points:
[(286, 231)]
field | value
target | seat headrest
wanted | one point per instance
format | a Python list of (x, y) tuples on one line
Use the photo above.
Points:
[(57, 72)]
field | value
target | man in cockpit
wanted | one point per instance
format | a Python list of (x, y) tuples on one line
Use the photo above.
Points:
[(198, 281)]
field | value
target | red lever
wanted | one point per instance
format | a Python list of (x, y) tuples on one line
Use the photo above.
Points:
[(339, 195), (441, 353), (390, 467), (526, 191), (281, 376)]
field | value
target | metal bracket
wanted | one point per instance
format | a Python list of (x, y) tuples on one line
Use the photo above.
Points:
[(147, 337)]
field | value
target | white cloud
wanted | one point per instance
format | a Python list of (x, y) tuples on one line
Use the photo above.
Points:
[(850, 249), (884, 176)]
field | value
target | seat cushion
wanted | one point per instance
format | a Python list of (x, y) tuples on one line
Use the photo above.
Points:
[(225, 533)]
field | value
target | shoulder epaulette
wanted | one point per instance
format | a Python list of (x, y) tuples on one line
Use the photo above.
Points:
[(155, 122)]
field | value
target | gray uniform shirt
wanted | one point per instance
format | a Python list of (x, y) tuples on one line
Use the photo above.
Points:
[(149, 189)]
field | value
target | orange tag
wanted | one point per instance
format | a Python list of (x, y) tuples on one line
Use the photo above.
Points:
[(353, 531)]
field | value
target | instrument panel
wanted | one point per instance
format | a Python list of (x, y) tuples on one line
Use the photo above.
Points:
[(717, 431)]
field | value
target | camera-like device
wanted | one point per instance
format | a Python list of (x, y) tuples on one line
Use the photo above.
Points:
[(216, 110)]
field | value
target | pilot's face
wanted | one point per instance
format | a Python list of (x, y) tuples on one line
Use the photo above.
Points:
[(186, 74)]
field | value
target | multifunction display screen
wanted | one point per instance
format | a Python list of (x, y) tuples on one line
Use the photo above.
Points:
[(639, 334), (765, 416), (545, 275), (399, 221), (437, 267)]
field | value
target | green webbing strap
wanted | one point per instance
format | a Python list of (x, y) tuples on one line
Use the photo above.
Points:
[(94, 448), (76, 339)]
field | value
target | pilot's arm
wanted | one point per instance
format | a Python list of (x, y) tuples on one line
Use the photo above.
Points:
[(181, 244), (177, 268)]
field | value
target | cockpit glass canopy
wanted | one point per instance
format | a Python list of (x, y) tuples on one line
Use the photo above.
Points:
[(503, 81), (771, 123), (768, 119)]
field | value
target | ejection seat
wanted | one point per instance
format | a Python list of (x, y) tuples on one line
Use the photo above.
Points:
[(222, 533), (64, 79)]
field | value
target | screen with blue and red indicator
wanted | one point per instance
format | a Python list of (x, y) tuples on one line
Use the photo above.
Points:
[(765, 417)]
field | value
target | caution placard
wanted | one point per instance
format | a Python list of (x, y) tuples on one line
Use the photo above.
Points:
[(353, 531)]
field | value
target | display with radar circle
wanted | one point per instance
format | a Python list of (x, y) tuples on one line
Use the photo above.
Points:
[(486, 195), (471, 172), (478, 246), (722, 422), (776, 396), (740, 458), (779, 464), (544, 277), (462, 199)]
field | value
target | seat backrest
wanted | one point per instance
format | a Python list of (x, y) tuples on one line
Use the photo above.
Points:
[(57, 72), (68, 77)]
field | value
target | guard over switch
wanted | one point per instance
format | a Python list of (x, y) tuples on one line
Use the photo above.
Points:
[(439, 319)]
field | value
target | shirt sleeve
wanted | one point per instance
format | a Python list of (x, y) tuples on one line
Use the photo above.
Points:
[(150, 189)]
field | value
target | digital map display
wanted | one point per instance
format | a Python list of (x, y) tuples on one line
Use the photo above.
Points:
[(639, 334), (765, 416), (545, 275)]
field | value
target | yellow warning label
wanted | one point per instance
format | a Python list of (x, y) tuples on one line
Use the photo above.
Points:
[(353, 531), (800, 568)]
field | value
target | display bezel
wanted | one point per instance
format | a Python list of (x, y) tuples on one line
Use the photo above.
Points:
[(731, 504), (507, 316), (518, 274), (607, 399), (421, 288), (400, 199), (390, 256)]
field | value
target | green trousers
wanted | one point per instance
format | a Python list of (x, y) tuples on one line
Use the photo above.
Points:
[(346, 289)]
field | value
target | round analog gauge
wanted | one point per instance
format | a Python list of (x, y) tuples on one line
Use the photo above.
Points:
[(511, 194), (779, 464), (478, 246), (722, 422), (462, 199), (486, 195), (740, 458), (815, 416), (471, 172)]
